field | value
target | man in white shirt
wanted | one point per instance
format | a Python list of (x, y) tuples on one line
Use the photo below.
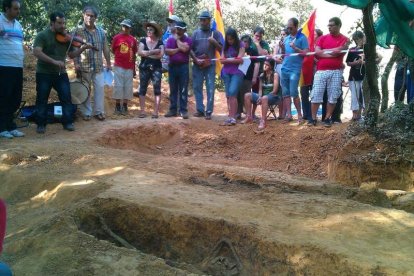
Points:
[(11, 68)]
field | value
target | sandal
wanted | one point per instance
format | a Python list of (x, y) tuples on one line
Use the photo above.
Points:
[(287, 120), (262, 125), (154, 116), (247, 120), (142, 115)]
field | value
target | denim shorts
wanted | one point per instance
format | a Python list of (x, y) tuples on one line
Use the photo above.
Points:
[(232, 83), (290, 82), (272, 99)]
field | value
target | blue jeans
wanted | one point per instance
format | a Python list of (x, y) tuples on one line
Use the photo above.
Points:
[(232, 83), (199, 75), (178, 80), (60, 82), (5, 270), (290, 82)]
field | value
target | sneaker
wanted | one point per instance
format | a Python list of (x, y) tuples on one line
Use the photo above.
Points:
[(117, 110), (327, 123), (41, 129), (262, 125), (208, 116), (124, 110), (16, 133), (185, 115), (170, 114), (199, 114), (86, 117), (69, 127), (229, 122), (337, 121), (100, 117), (6, 134), (311, 122)]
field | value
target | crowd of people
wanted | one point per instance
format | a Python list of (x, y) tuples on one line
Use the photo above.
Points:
[(270, 81)]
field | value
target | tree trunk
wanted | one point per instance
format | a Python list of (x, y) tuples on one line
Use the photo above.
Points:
[(384, 81), (371, 68)]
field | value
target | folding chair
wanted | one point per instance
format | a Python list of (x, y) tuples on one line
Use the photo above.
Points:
[(272, 111)]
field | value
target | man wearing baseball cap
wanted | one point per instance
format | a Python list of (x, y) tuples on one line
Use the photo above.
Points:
[(125, 47), (178, 49), (169, 32), (205, 43)]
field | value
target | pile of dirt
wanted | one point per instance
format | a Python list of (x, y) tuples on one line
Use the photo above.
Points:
[(289, 148), (363, 159)]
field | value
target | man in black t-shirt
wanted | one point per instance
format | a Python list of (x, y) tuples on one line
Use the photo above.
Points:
[(252, 73)]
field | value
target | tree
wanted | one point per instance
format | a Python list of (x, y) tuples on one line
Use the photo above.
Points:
[(370, 65), (384, 80)]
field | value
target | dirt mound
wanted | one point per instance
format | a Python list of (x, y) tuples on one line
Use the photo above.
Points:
[(282, 147), (146, 138), (363, 159)]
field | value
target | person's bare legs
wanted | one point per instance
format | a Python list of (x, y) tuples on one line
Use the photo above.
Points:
[(296, 102), (232, 102), (248, 108), (157, 104), (286, 106), (265, 107), (142, 105), (314, 110), (329, 110), (280, 107)]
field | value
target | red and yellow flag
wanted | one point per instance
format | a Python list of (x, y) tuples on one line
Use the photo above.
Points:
[(170, 8), (308, 29), (218, 25)]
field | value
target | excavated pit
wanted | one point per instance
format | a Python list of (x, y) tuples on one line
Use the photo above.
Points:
[(203, 245)]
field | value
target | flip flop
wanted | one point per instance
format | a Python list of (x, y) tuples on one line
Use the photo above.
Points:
[(142, 115), (154, 116)]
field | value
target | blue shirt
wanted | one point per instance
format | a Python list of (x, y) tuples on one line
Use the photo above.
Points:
[(294, 63), (11, 43)]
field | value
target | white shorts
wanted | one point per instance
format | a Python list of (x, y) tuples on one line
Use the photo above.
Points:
[(123, 83), (357, 99)]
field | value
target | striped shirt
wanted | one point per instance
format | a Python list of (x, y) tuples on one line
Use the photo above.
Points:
[(11, 42), (91, 60)]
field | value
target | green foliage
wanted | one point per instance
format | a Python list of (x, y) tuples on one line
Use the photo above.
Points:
[(35, 14), (244, 16)]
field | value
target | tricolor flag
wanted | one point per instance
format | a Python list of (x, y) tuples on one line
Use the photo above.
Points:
[(218, 25), (170, 8), (308, 29)]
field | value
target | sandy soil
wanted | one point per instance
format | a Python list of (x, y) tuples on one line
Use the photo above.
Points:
[(133, 196)]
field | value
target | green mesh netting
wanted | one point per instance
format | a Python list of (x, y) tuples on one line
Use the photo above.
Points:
[(392, 27)]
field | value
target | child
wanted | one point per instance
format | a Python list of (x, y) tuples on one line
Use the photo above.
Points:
[(125, 48)]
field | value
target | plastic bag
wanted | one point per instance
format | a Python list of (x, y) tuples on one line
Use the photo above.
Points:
[(108, 77)]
